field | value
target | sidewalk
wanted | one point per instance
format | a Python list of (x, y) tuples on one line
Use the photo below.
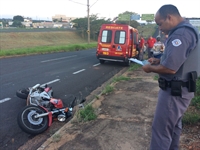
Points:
[(123, 123)]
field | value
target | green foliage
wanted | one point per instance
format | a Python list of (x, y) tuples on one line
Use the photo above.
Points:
[(87, 114), (128, 12), (18, 18), (55, 20), (156, 77), (97, 97), (56, 137), (4, 22), (134, 66), (17, 21), (196, 102), (132, 23), (198, 87), (108, 89), (190, 118), (147, 30), (17, 24), (47, 49), (121, 78), (81, 24)]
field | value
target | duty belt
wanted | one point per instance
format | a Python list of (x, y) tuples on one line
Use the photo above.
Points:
[(184, 84), (168, 83)]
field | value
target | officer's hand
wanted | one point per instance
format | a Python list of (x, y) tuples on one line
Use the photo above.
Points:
[(154, 61), (146, 68)]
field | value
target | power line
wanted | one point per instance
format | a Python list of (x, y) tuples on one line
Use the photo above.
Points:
[(84, 4), (78, 3), (88, 15), (94, 3)]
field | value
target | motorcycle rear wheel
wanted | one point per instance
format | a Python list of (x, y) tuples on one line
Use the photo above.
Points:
[(29, 124), (22, 93)]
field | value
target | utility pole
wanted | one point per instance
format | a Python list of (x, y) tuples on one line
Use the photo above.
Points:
[(88, 15)]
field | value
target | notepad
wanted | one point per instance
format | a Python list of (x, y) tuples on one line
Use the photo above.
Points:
[(144, 62)]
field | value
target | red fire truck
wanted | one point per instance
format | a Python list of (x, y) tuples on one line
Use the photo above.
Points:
[(117, 42)]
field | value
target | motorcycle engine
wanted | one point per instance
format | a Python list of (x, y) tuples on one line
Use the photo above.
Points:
[(45, 104)]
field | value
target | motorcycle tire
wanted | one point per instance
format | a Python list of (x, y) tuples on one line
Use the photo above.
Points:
[(22, 93), (29, 124)]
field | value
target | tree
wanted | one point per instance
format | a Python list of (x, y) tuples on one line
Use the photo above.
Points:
[(18, 18), (17, 21), (4, 22), (17, 24), (81, 24), (132, 23), (95, 23), (128, 20), (55, 20), (128, 13)]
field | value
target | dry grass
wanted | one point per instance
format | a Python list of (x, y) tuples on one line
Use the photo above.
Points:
[(16, 40)]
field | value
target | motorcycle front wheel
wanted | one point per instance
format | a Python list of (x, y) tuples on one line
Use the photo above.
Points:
[(29, 124), (22, 93)]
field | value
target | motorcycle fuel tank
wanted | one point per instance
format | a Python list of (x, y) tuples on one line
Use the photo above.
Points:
[(56, 102)]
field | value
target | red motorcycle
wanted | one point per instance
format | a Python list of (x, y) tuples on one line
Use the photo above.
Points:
[(35, 119), (39, 92)]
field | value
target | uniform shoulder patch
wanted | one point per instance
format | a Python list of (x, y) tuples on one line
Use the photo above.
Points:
[(176, 42)]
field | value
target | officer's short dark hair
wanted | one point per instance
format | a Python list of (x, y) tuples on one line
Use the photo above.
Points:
[(168, 9)]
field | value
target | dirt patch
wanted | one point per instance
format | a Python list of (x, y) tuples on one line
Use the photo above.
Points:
[(123, 123)]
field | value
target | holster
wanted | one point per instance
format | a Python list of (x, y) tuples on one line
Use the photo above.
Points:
[(192, 81), (176, 88), (174, 85), (162, 83)]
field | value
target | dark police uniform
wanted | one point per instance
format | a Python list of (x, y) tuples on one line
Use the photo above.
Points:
[(166, 128)]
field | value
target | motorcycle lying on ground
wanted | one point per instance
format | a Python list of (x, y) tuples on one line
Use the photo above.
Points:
[(35, 119), (41, 93)]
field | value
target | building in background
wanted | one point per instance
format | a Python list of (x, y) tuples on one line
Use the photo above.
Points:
[(62, 18)]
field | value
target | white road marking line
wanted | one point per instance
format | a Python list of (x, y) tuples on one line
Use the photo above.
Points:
[(57, 59), (7, 99), (4, 100), (96, 65), (79, 71), (56, 80)]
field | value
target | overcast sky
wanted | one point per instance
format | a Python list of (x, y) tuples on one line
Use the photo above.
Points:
[(45, 9)]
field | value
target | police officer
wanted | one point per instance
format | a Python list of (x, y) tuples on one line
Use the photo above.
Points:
[(175, 73)]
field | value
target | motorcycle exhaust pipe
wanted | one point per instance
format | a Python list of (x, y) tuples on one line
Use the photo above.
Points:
[(41, 115)]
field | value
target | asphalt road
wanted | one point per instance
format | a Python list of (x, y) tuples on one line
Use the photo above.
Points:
[(69, 73)]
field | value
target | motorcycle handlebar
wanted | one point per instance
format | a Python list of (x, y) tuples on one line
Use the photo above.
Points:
[(36, 86)]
